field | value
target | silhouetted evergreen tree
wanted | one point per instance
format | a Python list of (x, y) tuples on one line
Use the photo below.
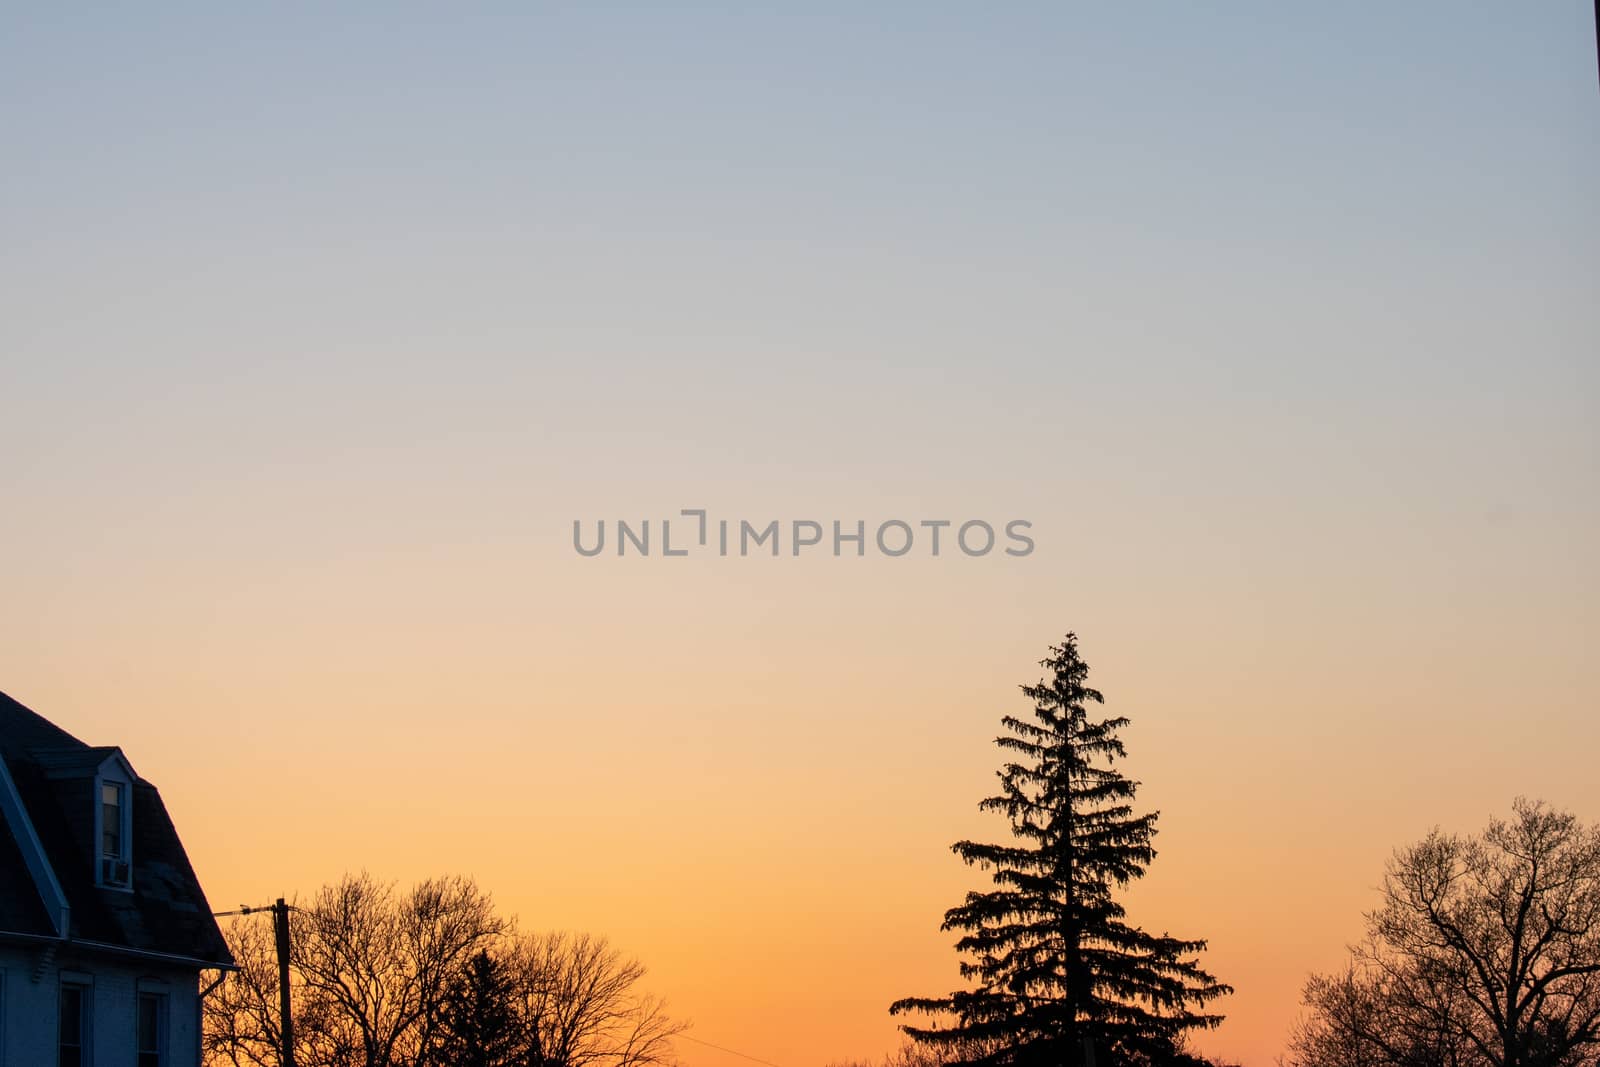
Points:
[(481, 1026), (1056, 969)]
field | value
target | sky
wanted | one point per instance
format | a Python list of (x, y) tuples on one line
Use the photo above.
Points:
[(320, 327)]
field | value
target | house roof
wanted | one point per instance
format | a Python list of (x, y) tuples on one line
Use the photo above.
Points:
[(72, 761), (53, 774), (21, 909)]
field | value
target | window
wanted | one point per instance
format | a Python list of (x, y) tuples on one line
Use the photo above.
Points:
[(73, 1046), (152, 1030), (111, 820), (114, 869)]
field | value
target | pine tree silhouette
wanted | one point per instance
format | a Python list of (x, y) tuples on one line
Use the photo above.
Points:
[(481, 1026), (1059, 976)]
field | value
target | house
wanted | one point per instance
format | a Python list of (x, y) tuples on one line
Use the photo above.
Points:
[(104, 930)]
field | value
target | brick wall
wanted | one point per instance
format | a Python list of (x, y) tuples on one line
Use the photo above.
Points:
[(30, 991)]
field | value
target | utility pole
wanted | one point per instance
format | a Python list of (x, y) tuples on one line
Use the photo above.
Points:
[(280, 929), (280, 936)]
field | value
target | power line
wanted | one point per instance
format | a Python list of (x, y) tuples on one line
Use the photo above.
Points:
[(250, 909), (729, 1051)]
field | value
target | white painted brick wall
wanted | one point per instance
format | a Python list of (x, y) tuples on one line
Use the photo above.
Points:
[(28, 1009)]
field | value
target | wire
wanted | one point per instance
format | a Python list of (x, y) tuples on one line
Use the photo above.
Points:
[(247, 909), (729, 1051)]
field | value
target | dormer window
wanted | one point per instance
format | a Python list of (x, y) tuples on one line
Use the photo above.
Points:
[(111, 820), (114, 868)]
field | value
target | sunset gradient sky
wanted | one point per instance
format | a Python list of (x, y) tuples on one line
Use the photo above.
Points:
[(319, 327)]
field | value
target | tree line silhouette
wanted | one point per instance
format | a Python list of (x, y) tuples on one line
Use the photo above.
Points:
[(1483, 952), (432, 977)]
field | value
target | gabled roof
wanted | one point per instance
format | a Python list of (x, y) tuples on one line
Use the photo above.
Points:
[(53, 776), (73, 761)]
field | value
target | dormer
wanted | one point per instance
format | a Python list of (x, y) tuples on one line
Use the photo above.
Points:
[(102, 781), (113, 828)]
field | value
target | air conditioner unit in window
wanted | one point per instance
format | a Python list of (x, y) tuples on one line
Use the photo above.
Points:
[(113, 871)]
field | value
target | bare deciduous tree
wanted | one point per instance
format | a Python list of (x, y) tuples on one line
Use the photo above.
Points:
[(580, 995), (1484, 953), (241, 1015), (380, 964), (376, 977)]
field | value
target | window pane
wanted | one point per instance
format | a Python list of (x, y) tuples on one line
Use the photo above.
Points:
[(149, 1023), (111, 819), (71, 1014), (74, 1019)]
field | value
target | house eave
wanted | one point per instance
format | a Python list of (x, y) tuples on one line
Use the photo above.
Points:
[(127, 951)]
